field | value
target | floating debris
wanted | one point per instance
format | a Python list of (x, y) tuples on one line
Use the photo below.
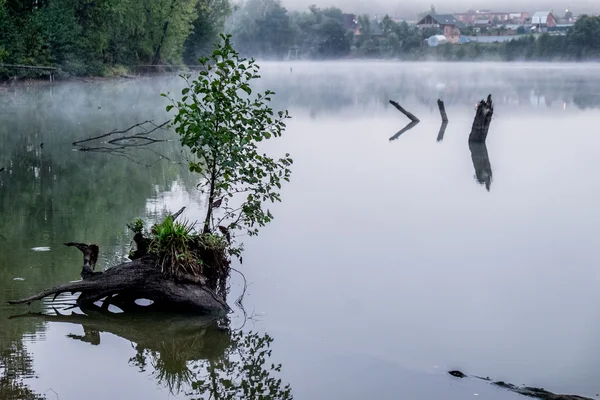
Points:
[(18, 279)]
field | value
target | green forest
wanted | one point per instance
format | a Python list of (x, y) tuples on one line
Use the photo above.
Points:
[(104, 37)]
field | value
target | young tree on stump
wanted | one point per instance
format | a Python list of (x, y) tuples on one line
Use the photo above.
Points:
[(222, 123)]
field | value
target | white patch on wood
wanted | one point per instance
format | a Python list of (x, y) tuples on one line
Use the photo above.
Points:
[(114, 309), (144, 302)]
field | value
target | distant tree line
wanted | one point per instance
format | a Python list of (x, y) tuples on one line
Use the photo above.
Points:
[(89, 37), (96, 37), (264, 28)]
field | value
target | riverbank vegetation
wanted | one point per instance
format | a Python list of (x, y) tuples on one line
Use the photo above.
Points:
[(92, 38), (107, 37), (111, 36)]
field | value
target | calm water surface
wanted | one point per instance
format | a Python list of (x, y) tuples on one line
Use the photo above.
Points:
[(387, 264)]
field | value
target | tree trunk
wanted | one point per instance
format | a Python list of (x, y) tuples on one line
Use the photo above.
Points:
[(164, 35), (483, 117)]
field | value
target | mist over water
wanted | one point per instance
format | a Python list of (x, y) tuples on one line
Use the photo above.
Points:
[(411, 10), (387, 264)]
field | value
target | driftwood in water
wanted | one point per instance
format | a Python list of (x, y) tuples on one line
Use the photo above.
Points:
[(532, 392), (141, 278), (403, 111), (442, 110), (414, 120), (483, 118), (123, 284), (444, 120), (121, 142), (481, 163)]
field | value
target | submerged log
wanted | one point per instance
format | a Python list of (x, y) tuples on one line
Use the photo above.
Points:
[(481, 123), (532, 392), (123, 284)]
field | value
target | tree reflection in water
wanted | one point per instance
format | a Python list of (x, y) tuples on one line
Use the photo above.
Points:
[(192, 356)]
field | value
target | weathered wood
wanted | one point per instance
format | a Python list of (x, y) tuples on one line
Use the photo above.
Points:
[(527, 391), (403, 111), (481, 163), (90, 257), (442, 110), (483, 118), (134, 280)]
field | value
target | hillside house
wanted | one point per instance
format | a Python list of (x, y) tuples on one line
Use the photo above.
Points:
[(470, 17), (542, 20), (446, 22)]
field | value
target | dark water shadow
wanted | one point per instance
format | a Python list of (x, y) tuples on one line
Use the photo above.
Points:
[(481, 163), (442, 131), (188, 355), (408, 127)]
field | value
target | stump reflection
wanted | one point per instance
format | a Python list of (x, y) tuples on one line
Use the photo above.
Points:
[(481, 162)]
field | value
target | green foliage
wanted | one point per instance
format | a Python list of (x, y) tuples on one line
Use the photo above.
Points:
[(137, 226), (174, 243), (83, 37), (211, 16), (222, 123)]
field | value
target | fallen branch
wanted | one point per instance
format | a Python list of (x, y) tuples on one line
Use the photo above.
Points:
[(483, 118), (117, 132), (403, 111), (119, 145), (536, 393)]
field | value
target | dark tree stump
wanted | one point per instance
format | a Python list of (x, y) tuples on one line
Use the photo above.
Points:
[(140, 279), (483, 118), (442, 110)]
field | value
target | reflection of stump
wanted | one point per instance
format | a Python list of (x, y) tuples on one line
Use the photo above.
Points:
[(442, 131), (481, 162), (483, 117)]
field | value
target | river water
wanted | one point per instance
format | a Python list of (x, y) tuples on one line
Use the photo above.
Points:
[(388, 263)]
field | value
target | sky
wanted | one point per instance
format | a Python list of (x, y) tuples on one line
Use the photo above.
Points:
[(409, 9)]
